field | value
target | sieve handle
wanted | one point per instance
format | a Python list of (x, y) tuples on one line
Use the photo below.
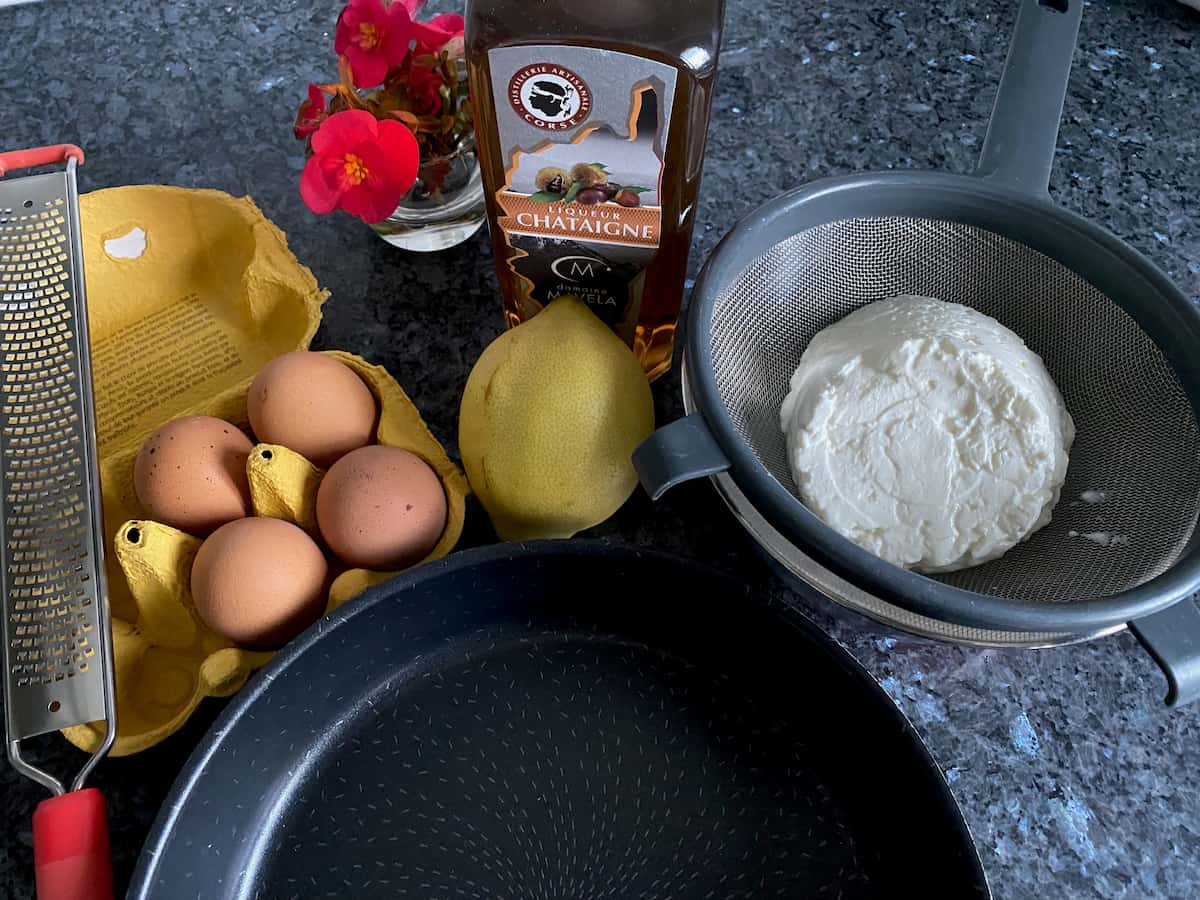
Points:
[(1023, 131), (1172, 637), (682, 451)]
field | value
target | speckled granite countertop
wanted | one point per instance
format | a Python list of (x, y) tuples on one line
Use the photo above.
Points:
[(1076, 781)]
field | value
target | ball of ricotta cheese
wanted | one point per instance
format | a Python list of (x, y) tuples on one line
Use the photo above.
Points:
[(927, 433)]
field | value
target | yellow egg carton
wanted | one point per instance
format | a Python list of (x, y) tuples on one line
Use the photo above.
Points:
[(190, 293)]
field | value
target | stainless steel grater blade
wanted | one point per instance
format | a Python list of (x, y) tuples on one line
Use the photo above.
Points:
[(57, 648)]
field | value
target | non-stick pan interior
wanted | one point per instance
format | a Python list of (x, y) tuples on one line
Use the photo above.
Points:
[(1130, 502), (562, 722)]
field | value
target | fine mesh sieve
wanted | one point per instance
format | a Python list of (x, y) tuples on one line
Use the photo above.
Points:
[(1137, 441), (1122, 343)]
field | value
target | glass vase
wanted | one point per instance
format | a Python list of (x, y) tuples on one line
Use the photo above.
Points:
[(443, 208)]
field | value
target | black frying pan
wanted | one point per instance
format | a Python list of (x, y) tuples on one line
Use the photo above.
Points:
[(560, 720)]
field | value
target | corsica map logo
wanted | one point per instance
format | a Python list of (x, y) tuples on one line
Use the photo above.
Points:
[(548, 96)]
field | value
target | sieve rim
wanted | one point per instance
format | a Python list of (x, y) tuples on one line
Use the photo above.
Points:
[(1174, 325), (814, 578)]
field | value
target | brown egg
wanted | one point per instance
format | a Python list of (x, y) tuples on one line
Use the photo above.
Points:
[(313, 404), (191, 474), (381, 508), (259, 582)]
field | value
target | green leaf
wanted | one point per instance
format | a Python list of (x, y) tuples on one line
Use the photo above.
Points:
[(569, 197), (601, 166), (634, 188), (545, 197)]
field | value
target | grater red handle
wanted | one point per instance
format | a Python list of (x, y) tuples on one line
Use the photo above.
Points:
[(39, 156), (70, 847)]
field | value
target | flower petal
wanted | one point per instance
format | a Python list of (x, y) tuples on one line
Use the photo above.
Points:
[(439, 30), (449, 22), (392, 163), (371, 203), (344, 130), (318, 193), (399, 33), (402, 151), (369, 67), (370, 206), (310, 114)]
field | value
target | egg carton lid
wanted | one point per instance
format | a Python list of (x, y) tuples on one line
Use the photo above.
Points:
[(190, 292)]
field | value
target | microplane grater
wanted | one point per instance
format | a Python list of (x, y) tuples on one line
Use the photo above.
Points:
[(57, 647)]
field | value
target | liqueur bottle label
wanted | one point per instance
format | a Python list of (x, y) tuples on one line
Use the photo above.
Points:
[(583, 133)]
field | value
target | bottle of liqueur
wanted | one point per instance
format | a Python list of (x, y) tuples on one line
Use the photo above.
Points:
[(591, 117)]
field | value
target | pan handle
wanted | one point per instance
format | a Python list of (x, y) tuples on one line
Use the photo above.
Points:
[(1172, 637), (1018, 150), (679, 452)]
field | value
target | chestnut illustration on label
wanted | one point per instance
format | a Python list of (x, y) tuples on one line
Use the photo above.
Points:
[(585, 183), (585, 216)]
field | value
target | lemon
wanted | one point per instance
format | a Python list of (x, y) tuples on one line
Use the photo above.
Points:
[(550, 416)]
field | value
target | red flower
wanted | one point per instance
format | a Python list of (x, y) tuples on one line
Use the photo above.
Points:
[(438, 31), (424, 86), (359, 164), (311, 113), (373, 38), (424, 83)]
